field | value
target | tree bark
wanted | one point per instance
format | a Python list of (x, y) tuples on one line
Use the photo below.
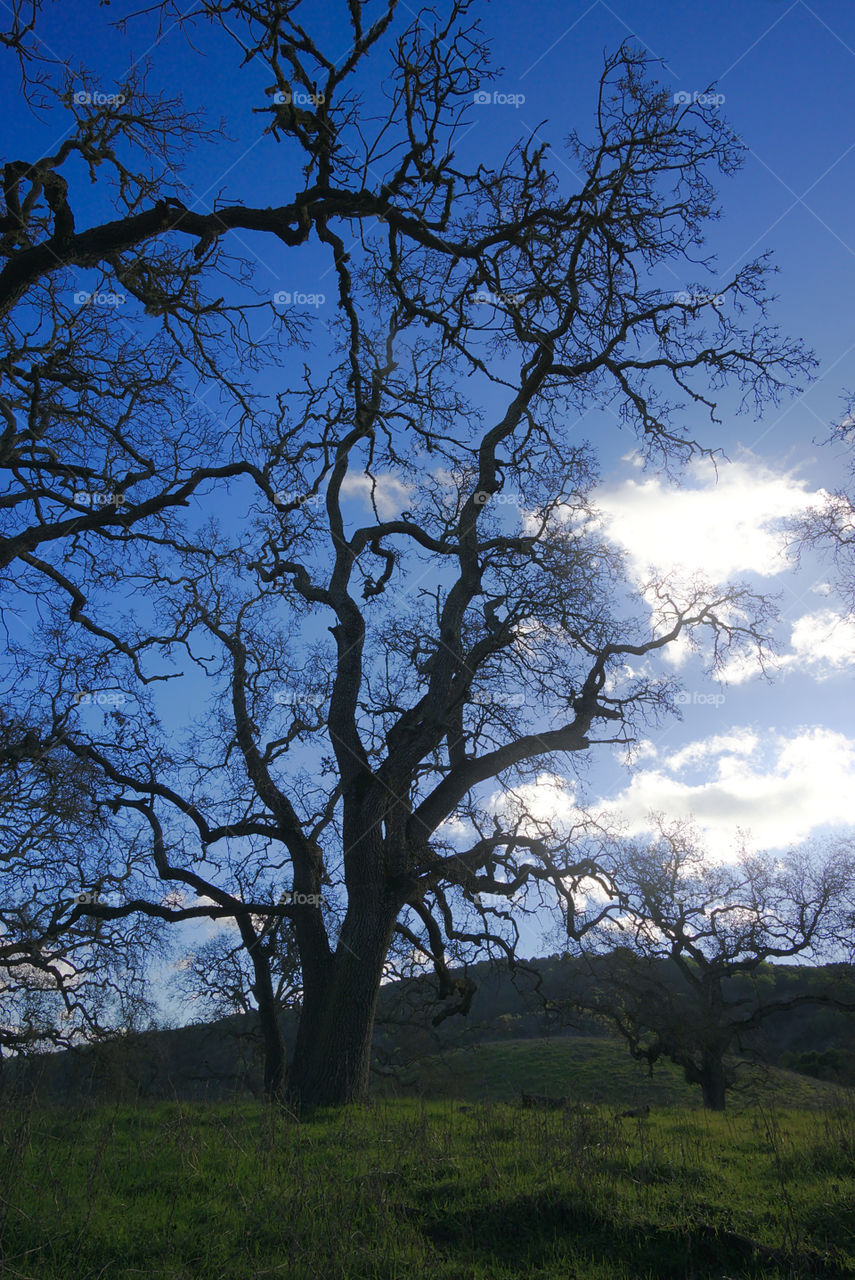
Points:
[(274, 1049), (268, 1011), (713, 1081), (332, 1054)]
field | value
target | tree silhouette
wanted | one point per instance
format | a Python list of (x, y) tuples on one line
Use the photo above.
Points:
[(380, 568), (829, 526), (676, 946)]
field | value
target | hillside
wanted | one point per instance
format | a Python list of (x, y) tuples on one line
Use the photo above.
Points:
[(589, 1070), (220, 1059)]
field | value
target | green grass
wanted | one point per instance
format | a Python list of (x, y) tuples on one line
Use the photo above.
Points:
[(593, 1070), (416, 1190)]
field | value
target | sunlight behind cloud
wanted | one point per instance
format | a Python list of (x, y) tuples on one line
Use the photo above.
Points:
[(778, 790), (719, 526)]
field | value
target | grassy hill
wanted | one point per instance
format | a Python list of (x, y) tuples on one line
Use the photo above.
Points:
[(422, 1190), (217, 1060), (444, 1176), (588, 1069)]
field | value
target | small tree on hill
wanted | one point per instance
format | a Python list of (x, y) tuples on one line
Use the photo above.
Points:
[(675, 952)]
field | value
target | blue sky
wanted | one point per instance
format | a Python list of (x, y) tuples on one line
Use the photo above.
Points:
[(776, 760)]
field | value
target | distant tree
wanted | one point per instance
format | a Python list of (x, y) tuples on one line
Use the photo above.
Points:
[(676, 948), (829, 527), (218, 972), (65, 976), (378, 567), (83, 906)]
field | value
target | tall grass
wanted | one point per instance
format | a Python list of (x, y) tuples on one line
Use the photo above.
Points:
[(409, 1189)]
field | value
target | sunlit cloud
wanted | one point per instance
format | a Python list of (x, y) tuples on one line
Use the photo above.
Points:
[(822, 645), (719, 525), (778, 790), (390, 494)]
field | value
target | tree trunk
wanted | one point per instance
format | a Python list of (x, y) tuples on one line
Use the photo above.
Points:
[(274, 1050), (332, 1054), (268, 1011), (713, 1082)]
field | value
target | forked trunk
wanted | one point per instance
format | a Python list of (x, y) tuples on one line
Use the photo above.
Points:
[(332, 1054), (268, 1012)]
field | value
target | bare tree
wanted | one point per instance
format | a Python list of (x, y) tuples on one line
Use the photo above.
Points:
[(218, 971), (675, 946), (829, 527), (384, 581), (65, 977)]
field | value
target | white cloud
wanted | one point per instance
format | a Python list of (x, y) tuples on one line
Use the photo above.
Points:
[(176, 899), (454, 828), (549, 801), (824, 641), (778, 790), (717, 526), (743, 666), (822, 644), (742, 742), (390, 494), (678, 651)]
